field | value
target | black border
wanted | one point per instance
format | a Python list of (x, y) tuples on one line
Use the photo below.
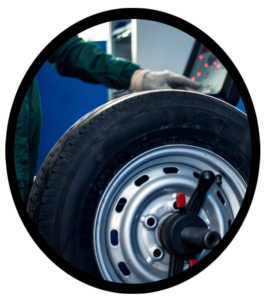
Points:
[(30, 262)]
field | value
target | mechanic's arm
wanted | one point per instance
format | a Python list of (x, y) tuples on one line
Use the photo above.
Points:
[(87, 61)]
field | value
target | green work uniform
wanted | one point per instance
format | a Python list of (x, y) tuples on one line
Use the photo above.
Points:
[(75, 58)]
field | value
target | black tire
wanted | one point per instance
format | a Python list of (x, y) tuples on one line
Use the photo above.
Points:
[(67, 190)]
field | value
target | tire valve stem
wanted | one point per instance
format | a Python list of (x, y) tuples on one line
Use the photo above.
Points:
[(180, 202)]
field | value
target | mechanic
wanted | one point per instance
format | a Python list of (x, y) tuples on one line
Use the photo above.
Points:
[(86, 61)]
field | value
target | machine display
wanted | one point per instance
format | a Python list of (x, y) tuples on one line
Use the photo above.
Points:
[(208, 70), (203, 66)]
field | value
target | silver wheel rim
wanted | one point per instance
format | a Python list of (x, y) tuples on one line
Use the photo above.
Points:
[(141, 195)]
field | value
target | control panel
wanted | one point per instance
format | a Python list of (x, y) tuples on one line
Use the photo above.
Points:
[(204, 67)]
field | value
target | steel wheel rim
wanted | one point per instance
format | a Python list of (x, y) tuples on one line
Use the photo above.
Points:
[(138, 256)]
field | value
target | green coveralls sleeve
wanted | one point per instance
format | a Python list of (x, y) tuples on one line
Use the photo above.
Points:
[(86, 61), (75, 58), (27, 140)]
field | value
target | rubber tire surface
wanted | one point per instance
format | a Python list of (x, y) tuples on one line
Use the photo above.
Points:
[(68, 188)]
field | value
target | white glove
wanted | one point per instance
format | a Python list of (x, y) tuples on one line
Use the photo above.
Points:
[(144, 80)]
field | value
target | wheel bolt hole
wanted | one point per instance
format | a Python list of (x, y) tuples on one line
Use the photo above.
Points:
[(150, 222), (157, 253)]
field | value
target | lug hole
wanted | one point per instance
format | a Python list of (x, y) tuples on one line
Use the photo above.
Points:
[(170, 170), (120, 205), (124, 269), (150, 222), (114, 237), (157, 253), (141, 180)]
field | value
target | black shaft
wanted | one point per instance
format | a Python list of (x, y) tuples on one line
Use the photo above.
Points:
[(206, 179), (175, 265), (200, 237)]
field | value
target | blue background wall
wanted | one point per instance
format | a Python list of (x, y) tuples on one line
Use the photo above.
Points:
[(64, 100)]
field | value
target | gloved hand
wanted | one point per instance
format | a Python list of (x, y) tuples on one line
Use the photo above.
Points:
[(144, 80)]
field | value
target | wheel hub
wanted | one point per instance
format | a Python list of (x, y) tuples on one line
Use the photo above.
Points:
[(142, 196), (170, 234), (185, 234)]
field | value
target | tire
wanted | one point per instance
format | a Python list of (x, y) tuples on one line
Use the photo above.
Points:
[(66, 195)]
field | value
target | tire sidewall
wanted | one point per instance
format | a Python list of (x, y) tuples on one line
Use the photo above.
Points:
[(127, 128)]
